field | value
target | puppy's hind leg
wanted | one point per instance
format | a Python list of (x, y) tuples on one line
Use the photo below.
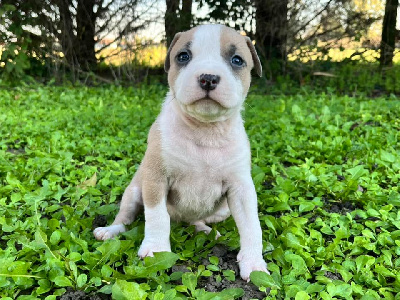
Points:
[(222, 213), (131, 204), (219, 215), (201, 226)]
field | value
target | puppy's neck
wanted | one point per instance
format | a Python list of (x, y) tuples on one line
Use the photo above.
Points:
[(205, 134)]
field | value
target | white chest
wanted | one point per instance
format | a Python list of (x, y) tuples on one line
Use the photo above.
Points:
[(199, 164), (197, 181)]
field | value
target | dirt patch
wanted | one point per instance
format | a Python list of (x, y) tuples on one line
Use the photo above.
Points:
[(81, 295), (16, 151), (268, 184), (227, 261), (340, 207), (369, 123), (333, 276), (99, 221), (340, 177), (180, 268), (17, 147)]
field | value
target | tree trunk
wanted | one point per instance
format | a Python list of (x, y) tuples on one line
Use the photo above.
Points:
[(177, 19), (388, 33), (171, 19), (185, 15), (85, 32), (271, 31), (79, 48), (66, 35)]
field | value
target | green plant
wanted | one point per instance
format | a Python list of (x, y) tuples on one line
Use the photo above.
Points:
[(326, 169)]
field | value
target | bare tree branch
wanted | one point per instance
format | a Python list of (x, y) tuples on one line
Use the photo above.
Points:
[(313, 18)]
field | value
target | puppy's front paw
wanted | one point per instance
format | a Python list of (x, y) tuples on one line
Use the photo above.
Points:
[(149, 247), (105, 233), (249, 262)]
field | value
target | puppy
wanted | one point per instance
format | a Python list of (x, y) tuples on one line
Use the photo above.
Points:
[(197, 165)]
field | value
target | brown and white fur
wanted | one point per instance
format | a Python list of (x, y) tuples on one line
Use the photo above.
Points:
[(197, 164)]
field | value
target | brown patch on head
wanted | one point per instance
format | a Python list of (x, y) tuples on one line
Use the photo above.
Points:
[(254, 55), (232, 43), (181, 41), (167, 63)]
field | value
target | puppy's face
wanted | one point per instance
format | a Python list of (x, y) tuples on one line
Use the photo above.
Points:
[(209, 71)]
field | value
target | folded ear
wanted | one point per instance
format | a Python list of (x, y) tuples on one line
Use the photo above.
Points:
[(256, 60), (167, 63)]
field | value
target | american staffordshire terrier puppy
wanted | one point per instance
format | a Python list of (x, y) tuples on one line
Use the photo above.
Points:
[(197, 165)]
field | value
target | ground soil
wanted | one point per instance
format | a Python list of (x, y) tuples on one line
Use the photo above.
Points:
[(333, 276), (227, 261), (340, 207), (81, 295), (99, 221)]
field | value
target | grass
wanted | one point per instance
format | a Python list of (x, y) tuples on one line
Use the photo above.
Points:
[(326, 170), (340, 78)]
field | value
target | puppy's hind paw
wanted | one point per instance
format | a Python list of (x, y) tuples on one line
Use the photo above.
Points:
[(200, 226), (148, 248), (105, 233)]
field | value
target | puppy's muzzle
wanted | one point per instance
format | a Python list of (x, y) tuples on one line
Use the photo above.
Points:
[(208, 82)]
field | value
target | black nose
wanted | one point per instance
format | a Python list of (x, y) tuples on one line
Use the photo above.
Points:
[(208, 82)]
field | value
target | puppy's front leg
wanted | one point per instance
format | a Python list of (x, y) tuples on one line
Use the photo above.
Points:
[(242, 202), (157, 220)]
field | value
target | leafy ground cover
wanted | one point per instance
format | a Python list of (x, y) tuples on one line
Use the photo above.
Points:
[(344, 78), (326, 169)]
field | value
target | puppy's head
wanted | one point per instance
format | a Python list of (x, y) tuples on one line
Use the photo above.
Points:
[(209, 71)]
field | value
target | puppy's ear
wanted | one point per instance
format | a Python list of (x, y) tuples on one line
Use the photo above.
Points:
[(256, 60), (167, 63)]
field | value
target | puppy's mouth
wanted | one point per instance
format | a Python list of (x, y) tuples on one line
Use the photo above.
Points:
[(207, 109), (207, 101)]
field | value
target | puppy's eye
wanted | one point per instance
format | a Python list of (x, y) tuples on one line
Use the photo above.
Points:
[(183, 57), (237, 61)]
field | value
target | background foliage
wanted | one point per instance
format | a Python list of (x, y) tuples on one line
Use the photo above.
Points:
[(106, 40)]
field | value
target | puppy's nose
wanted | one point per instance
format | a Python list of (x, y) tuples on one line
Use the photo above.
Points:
[(208, 82)]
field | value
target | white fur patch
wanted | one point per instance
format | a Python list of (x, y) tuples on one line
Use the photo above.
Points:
[(249, 262), (199, 163), (105, 233), (206, 43), (201, 226), (156, 232)]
